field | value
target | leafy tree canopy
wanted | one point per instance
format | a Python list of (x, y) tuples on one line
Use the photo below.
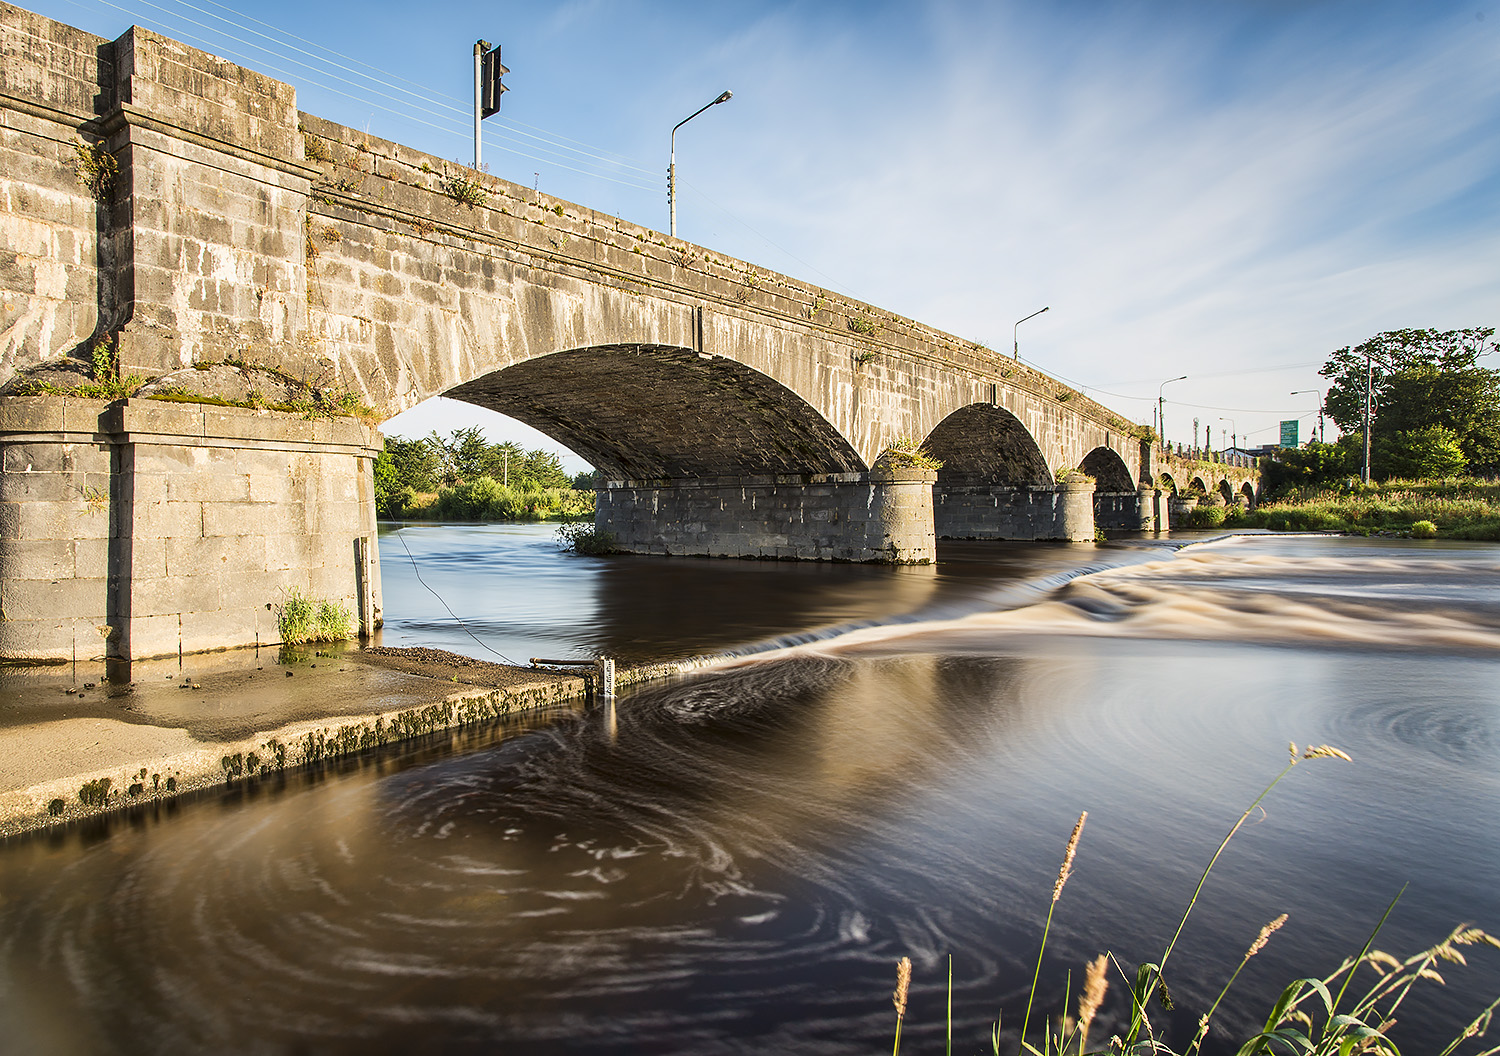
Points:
[(1421, 379)]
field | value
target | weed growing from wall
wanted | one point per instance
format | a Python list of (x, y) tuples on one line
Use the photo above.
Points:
[(96, 168), (907, 451), (465, 191)]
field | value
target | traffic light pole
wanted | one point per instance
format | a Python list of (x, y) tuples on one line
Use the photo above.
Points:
[(480, 47), (488, 86)]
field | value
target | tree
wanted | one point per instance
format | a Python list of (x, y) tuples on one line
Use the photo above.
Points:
[(1429, 453), (1421, 379), (1315, 465)]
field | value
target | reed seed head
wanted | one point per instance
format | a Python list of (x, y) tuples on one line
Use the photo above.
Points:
[(1095, 983), (1265, 936), (1291, 747), (903, 984), (1067, 864), (1326, 751)]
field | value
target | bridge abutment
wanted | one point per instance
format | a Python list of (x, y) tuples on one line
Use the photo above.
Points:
[(881, 516), (143, 528)]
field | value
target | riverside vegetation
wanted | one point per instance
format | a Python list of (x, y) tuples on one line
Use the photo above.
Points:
[(463, 477), (1327, 1016), (1461, 508)]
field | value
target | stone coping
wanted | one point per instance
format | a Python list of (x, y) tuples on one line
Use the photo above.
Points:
[(165, 421)]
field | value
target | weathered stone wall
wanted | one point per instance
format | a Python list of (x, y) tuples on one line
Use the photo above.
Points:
[(57, 526), (1045, 511), (877, 516), (53, 83), (1123, 511), (175, 525)]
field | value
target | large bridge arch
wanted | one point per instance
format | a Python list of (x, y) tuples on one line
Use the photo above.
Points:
[(651, 412)]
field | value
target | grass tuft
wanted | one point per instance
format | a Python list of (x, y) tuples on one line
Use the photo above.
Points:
[(302, 618)]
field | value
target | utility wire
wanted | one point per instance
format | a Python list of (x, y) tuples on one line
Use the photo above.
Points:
[(435, 594), (452, 126), (425, 92)]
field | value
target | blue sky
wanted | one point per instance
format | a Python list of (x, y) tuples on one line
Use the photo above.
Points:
[(1228, 190)]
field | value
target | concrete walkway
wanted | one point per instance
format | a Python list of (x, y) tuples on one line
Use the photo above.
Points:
[(75, 742)]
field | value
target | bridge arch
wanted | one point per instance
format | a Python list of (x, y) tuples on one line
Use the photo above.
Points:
[(651, 412), (983, 444), (1109, 471)]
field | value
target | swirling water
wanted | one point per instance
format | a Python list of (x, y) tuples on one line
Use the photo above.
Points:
[(735, 864)]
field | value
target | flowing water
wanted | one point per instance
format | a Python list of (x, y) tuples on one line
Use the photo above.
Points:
[(890, 765)]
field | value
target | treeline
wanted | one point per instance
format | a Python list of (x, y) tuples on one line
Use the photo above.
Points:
[(465, 477)]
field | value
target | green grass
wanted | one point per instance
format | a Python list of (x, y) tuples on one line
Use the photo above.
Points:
[(302, 618), (1454, 509)]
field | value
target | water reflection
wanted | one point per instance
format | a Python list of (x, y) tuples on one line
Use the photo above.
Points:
[(737, 866)]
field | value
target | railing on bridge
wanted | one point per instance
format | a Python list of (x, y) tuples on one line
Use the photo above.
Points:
[(1198, 454)]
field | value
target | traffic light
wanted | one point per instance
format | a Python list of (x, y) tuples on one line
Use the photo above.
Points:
[(490, 83)]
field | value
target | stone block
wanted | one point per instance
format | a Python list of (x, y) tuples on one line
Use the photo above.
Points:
[(288, 551), (45, 599), (33, 559), (211, 556), (173, 594), (244, 624), (214, 484), (91, 558), (150, 637)]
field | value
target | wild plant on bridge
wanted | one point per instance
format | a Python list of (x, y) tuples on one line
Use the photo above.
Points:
[(908, 451), (301, 619), (1309, 1018)]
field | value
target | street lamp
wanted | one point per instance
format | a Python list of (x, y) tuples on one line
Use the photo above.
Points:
[(724, 97), (1161, 408), (1234, 435), (1319, 394), (1015, 341)]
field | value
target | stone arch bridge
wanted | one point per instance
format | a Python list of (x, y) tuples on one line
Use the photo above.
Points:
[(179, 211)]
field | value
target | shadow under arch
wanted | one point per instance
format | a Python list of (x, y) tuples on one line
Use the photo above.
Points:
[(1117, 501), (985, 444), (649, 412)]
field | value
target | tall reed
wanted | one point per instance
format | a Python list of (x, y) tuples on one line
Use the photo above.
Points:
[(1307, 1019)]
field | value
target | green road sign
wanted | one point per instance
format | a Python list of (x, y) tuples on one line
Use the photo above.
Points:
[(1291, 433)]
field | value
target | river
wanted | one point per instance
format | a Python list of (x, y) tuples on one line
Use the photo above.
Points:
[(889, 766)]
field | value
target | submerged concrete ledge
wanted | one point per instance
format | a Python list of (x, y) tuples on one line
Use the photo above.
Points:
[(170, 734), (146, 764)]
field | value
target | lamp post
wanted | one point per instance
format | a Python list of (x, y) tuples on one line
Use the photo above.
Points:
[(1015, 340), (1319, 394), (1234, 435), (1161, 407), (724, 97)]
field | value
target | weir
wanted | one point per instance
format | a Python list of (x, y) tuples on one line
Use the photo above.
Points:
[(178, 240)]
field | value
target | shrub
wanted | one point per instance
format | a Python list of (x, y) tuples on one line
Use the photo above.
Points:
[(302, 619), (1208, 516), (583, 538), (1423, 530)]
